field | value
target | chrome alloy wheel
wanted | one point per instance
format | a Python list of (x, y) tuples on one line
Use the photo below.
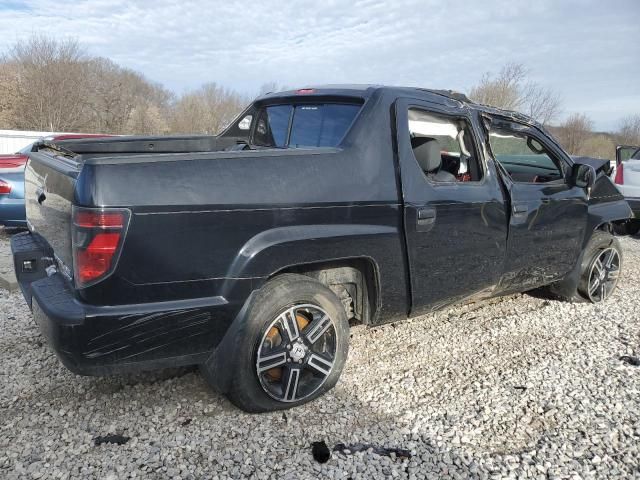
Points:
[(297, 352), (603, 275)]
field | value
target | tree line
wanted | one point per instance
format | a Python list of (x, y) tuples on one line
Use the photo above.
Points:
[(52, 85), (55, 85), (512, 89)]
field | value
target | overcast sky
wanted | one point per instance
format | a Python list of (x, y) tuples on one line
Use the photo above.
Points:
[(588, 51)]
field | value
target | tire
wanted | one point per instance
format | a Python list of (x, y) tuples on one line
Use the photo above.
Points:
[(272, 368), (601, 267)]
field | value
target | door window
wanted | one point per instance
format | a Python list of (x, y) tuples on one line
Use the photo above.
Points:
[(443, 147), (524, 158)]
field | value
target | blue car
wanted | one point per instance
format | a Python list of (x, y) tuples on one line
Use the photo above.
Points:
[(12, 212)]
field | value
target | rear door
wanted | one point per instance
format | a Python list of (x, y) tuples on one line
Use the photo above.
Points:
[(454, 217), (548, 216), (627, 175)]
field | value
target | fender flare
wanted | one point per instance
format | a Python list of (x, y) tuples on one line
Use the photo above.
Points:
[(600, 214), (220, 360), (257, 259), (277, 249)]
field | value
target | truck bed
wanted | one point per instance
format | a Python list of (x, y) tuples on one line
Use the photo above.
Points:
[(198, 210)]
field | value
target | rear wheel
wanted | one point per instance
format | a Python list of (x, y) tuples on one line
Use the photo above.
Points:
[(292, 347)]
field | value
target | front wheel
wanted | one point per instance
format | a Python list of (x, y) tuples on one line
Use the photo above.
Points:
[(292, 346), (601, 267)]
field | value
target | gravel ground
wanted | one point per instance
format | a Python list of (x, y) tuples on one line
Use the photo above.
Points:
[(520, 387)]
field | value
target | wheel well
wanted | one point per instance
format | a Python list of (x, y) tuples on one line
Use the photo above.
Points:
[(354, 281), (605, 227)]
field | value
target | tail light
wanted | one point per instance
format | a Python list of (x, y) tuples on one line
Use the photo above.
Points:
[(620, 174), (5, 187), (98, 235)]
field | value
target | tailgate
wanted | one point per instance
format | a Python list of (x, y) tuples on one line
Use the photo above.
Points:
[(49, 179)]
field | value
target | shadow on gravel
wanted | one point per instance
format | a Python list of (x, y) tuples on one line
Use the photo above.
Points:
[(116, 383)]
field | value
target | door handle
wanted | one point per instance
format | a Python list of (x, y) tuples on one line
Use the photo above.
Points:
[(426, 219)]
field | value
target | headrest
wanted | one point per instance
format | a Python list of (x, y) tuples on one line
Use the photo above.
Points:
[(427, 153)]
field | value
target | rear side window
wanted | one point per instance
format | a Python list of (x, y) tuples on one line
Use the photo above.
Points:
[(272, 126), (293, 126)]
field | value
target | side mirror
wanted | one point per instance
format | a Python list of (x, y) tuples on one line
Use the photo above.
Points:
[(584, 176)]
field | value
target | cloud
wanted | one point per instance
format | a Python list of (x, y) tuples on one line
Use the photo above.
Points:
[(587, 51)]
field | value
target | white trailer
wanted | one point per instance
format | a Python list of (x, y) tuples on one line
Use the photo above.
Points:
[(13, 140)]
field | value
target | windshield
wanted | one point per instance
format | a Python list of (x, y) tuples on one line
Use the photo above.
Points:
[(308, 125)]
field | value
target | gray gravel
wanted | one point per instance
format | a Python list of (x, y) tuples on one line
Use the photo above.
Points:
[(520, 387)]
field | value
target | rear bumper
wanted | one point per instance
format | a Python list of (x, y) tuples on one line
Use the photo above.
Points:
[(100, 340)]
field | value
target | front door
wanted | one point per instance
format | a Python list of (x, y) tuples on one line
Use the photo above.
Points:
[(455, 221), (548, 216)]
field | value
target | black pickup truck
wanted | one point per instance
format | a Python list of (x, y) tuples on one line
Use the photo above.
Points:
[(250, 253)]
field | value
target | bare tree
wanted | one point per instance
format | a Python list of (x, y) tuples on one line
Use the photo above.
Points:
[(52, 85), (8, 94), (46, 84), (629, 130), (113, 98), (511, 90), (147, 118), (502, 91), (51, 88), (541, 103), (206, 110), (123, 101), (574, 132)]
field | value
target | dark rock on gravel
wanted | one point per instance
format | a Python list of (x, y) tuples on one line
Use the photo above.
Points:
[(112, 438), (320, 452)]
